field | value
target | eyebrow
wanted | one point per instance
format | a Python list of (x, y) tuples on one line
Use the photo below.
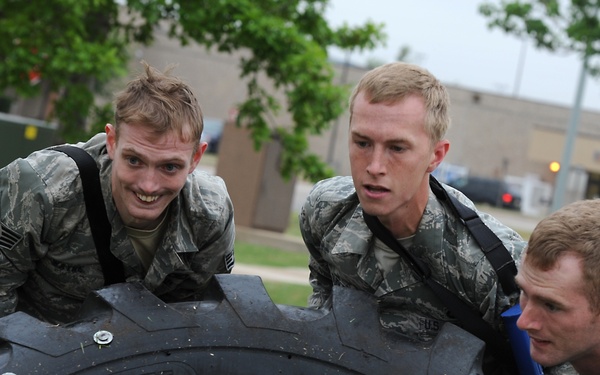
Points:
[(549, 300), (388, 141), (358, 134), (540, 298), (172, 160)]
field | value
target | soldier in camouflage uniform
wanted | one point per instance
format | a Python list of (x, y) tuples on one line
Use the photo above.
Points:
[(398, 121), (560, 286), (172, 226)]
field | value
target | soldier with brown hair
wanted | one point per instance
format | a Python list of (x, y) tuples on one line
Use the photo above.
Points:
[(560, 288), (172, 226)]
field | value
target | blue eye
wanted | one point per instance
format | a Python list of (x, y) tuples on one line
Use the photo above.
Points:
[(171, 168)]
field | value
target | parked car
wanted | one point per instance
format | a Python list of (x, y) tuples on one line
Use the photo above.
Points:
[(212, 133), (494, 192)]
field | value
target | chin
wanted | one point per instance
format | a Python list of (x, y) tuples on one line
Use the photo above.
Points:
[(375, 209), (545, 361), (145, 219)]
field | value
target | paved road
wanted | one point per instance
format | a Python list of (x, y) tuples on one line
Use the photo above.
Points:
[(290, 275), (512, 218)]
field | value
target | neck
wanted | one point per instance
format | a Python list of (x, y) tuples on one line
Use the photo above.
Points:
[(588, 365), (405, 221)]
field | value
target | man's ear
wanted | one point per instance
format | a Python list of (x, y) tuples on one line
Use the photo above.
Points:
[(111, 140), (198, 155), (439, 153)]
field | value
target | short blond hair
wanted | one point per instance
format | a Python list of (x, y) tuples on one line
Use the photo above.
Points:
[(392, 82)]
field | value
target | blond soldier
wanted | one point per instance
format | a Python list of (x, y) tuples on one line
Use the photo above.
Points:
[(398, 121)]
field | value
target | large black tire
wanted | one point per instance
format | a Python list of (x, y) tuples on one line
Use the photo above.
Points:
[(236, 330)]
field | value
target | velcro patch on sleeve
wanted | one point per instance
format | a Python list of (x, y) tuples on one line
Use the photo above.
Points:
[(8, 237), (229, 261)]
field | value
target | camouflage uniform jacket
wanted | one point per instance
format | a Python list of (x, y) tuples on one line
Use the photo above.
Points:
[(341, 253), (48, 261)]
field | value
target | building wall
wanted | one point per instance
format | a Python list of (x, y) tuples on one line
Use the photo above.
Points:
[(491, 135)]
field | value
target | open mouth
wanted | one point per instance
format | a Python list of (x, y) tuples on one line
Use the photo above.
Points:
[(376, 189), (147, 198), (538, 342)]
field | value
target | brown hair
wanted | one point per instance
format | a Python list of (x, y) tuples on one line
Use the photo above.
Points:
[(574, 229), (161, 102), (392, 82)]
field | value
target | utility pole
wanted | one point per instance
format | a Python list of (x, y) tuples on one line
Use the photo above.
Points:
[(520, 66), (565, 164)]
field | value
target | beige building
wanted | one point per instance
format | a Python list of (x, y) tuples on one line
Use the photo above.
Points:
[(491, 135)]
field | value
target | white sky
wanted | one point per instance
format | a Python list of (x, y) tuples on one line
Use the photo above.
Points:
[(451, 39)]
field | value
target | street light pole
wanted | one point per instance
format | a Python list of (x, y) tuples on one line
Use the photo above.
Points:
[(520, 67), (565, 163)]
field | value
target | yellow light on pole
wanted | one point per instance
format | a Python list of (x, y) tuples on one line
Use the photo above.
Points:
[(555, 166)]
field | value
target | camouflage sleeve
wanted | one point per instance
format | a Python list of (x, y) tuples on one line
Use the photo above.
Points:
[(484, 285), (312, 234), (512, 240), (10, 276), (214, 228), (24, 205), (515, 245), (219, 252), (564, 369)]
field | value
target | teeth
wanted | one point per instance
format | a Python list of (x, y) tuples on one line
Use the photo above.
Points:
[(147, 198)]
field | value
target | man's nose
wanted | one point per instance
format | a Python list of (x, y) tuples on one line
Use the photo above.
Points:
[(148, 181), (528, 318), (377, 162)]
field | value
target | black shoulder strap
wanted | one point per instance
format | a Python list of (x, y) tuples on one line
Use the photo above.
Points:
[(96, 212), (470, 319), (490, 244)]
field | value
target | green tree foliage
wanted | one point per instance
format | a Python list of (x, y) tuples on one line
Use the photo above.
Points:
[(554, 25), (78, 45), (72, 45)]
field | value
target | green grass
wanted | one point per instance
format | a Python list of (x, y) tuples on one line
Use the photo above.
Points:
[(280, 293), (293, 228), (288, 294), (267, 256)]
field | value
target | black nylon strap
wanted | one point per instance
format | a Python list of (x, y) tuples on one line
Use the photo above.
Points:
[(96, 212), (471, 320), (490, 244)]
